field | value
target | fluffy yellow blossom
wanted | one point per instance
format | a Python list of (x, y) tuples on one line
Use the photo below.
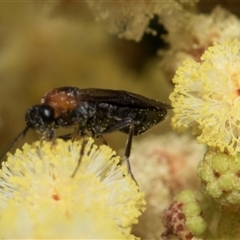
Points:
[(41, 200), (206, 97)]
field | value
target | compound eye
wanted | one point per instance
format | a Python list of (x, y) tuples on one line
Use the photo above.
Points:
[(47, 113)]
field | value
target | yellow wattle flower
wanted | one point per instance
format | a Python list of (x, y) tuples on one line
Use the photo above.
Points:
[(206, 97), (40, 198)]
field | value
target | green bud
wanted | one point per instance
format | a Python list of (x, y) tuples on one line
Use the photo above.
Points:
[(196, 225), (192, 212)]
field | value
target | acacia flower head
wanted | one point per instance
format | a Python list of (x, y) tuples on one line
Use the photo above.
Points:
[(206, 97), (40, 199)]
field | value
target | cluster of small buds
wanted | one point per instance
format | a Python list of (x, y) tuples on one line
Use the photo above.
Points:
[(183, 218), (175, 222), (220, 175)]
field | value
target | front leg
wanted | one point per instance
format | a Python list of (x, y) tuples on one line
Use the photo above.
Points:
[(47, 134), (118, 126)]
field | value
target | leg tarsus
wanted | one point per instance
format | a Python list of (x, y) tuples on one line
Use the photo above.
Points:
[(66, 136), (80, 157), (103, 140)]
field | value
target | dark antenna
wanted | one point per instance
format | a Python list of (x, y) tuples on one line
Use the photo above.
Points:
[(21, 134)]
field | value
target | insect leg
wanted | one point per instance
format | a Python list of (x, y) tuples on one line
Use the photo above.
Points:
[(118, 126), (73, 135), (103, 140), (80, 157), (66, 136), (128, 151)]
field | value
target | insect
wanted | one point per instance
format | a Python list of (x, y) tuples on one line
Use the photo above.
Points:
[(96, 111)]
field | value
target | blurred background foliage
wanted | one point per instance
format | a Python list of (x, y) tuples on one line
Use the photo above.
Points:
[(44, 45)]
